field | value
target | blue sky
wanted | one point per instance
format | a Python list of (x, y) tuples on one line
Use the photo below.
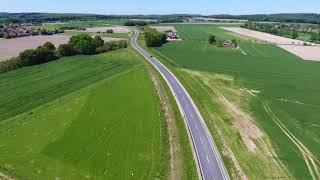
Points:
[(204, 7)]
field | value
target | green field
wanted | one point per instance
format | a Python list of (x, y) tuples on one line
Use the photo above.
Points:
[(273, 88), (82, 117)]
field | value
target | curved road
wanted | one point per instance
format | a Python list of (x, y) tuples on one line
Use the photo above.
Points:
[(210, 165)]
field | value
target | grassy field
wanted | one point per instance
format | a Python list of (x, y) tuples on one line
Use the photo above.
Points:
[(82, 117), (275, 90), (183, 151)]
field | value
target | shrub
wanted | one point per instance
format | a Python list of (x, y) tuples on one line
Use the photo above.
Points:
[(40, 55), (9, 65), (212, 39)]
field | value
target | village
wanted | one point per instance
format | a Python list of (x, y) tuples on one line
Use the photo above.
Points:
[(14, 30)]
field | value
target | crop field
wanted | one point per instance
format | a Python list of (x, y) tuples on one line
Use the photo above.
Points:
[(261, 107), (291, 45), (74, 119)]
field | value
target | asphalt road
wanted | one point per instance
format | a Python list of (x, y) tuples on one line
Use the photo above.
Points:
[(210, 165)]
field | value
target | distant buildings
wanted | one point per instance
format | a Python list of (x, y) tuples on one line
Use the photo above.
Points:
[(14, 30), (172, 35)]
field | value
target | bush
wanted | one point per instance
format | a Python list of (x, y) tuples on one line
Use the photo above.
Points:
[(9, 65), (154, 38), (212, 39), (65, 50), (110, 46), (40, 55), (110, 31)]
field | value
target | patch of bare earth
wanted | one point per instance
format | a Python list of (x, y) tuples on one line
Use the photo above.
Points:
[(5, 177), (164, 28), (110, 39), (293, 46), (305, 52), (256, 142), (116, 29), (12, 47)]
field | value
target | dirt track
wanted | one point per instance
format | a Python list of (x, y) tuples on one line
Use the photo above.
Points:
[(12, 47)]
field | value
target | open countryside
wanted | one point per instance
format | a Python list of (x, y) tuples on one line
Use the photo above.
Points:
[(169, 96), (259, 107)]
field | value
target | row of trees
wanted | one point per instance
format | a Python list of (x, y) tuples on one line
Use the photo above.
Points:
[(272, 29), (136, 23), (154, 38), (283, 17), (81, 44)]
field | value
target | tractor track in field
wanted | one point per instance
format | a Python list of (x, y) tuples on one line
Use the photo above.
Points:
[(311, 161)]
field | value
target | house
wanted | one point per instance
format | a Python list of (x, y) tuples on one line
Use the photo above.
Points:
[(172, 35), (27, 24), (227, 42), (14, 25)]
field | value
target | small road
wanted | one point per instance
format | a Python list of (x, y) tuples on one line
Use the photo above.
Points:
[(209, 163)]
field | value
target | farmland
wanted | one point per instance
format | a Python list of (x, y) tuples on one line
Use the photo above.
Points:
[(12, 47), (83, 24), (260, 107), (291, 45), (74, 119)]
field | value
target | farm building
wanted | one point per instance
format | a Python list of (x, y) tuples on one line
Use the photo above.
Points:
[(172, 35), (227, 42)]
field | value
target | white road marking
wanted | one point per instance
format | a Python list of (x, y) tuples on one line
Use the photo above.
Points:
[(201, 141), (208, 159)]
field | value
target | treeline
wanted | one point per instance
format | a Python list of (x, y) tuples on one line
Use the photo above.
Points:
[(136, 23), (272, 29), (284, 30), (154, 38), (283, 17), (49, 17), (81, 44)]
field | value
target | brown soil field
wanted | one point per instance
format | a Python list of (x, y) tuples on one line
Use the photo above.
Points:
[(304, 52), (291, 45), (12, 47), (116, 29), (109, 39), (164, 28)]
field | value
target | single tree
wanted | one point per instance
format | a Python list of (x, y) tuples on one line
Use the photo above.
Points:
[(235, 43), (294, 35), (212, 39)]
